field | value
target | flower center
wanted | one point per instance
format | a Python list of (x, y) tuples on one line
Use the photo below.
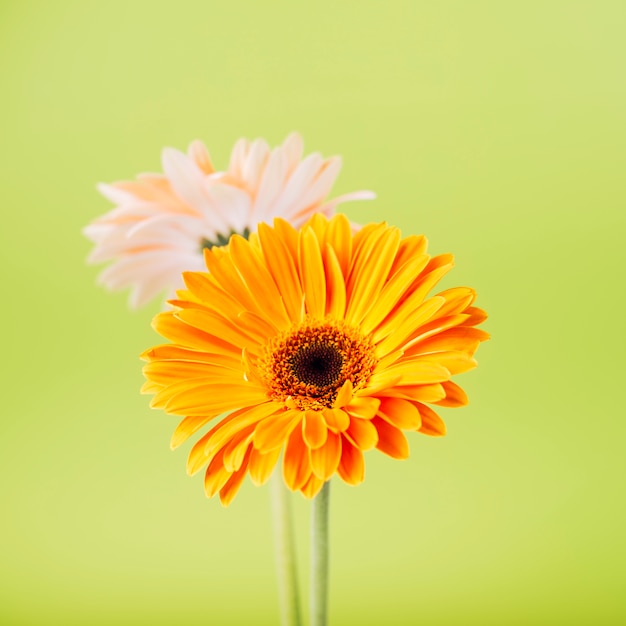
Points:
[(309, 363), (222, 240), (317, 364)]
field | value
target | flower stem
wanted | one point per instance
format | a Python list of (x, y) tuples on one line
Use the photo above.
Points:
[(285, 553), (319, 557)]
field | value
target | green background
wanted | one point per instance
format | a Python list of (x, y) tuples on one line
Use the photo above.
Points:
[(497, 129)]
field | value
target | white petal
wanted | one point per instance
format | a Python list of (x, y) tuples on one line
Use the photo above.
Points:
[(232, 205), (270, 187), (255, 164), (237, 159), (293, 149), (298, 183)]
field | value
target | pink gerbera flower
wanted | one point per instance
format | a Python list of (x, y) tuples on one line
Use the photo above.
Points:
[(162, 222)]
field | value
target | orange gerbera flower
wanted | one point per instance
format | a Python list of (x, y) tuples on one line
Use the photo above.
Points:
[(320, 342)]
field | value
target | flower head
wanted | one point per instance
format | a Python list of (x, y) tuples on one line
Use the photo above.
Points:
[(162, 223), (318, 342)]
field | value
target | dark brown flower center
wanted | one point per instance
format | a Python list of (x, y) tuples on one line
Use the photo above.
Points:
[(310, 363), (317, 364)]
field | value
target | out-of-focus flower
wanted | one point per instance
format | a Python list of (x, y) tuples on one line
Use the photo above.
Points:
[(321, 343), (162, 222)]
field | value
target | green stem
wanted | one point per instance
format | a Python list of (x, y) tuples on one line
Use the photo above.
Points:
[(285, 553), (319, 557)]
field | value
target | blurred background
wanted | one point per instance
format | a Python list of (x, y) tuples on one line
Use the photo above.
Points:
[(497, 129)]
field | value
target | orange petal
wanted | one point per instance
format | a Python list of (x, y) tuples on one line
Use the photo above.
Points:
[(312, 273), (412, 372), (409, 248), (476, 315), (312, 486), (296, 467), (391, 440), (283, 269), (272, 432), (197, 457), (344, 396), (454, 361), (170, 372), (432, 424), (422, 393), (171, 352), (219, 326), (366, 282), (399, 327), (363, 406), (224, 272), (325, 460), (184, 335), (352, 466), (455, 396), (251, 266), (207, 397), (335, 285), (207, 291), (463, 338), (244, 418), (336, 419), (392, 292), (230, 489), (339, 238), (237, 448), (314, 430), (400, 413), (361, 433), (216, 476), (261, 465), (433, 327)]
